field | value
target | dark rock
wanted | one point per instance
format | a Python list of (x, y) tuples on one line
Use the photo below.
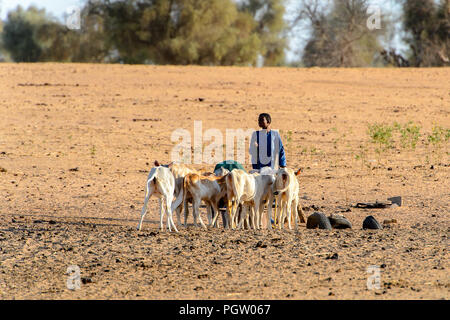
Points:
[(260, 244), (339, 222), (396, 200), (318, 219), (86, 280), (334, 256), (373, 205), (371, 223)]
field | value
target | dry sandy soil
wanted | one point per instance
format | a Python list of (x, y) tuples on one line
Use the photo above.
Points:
[(77, 142)]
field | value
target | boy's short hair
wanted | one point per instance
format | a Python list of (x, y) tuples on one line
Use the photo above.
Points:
[(265, 115)]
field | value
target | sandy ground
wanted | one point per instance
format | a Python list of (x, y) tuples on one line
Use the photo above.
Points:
[(77, 142)]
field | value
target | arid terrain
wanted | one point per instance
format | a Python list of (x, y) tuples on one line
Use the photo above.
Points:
[(77, 142)]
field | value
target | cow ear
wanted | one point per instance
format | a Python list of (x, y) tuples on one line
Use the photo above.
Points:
[(298, 172), (157, 163), (170, 165)]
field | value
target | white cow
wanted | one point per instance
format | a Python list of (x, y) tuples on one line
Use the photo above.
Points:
[(285, 190), (179, 171), (161, 183), (250, 190)]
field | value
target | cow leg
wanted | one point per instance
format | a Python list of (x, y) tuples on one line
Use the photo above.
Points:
[(269, 213), (150, 189), (209, 214), (275, 218), (260, 215), (216, 211), (237, 208), (282, 214), (243, 216), (186, 213), (234, 208), (144, 208), (294, 208), (253, 217), (289, 214), (196, 205), (161, 215), (228, 214), (170, 222), (178, 211)]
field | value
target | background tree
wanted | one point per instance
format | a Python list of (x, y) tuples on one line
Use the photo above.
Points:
[(19, 34), (340, 36), (181, 32), (270, 27), (91, 44), (428, 28)]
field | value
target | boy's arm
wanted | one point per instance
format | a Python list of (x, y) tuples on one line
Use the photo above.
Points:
[(282, 154)]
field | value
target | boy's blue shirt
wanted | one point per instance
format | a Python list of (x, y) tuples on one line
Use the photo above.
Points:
[(275, 148)]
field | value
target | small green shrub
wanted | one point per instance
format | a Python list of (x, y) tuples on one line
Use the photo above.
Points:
[(438, 137), (381, 136), (409, 134)]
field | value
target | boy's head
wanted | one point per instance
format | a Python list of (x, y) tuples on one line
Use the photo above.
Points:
[(264, 120)]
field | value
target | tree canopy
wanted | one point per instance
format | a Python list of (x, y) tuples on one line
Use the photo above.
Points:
[(227, 32)]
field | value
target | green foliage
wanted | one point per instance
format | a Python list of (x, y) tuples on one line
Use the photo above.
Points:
[(32, 35), (427, 32), (438, 135), (19, 34), (90, 44), (214, 32), (181, 32), (381, 135), (409, 134), (269, 26), (437, 139), (226, 32), (340, 37)]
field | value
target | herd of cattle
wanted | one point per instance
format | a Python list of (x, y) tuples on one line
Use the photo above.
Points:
[(245, 194)]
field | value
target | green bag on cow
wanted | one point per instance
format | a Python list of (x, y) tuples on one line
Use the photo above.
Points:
[(229, 165)]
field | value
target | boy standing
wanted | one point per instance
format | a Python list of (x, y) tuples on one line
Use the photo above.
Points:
[(266, 148)]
